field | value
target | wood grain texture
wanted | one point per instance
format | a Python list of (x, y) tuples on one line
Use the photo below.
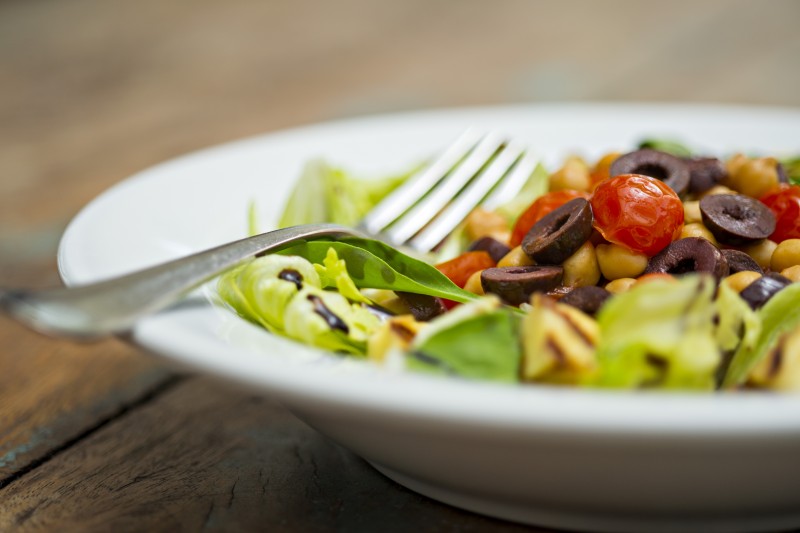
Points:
[(99, 436), (201, 457), (52, 392)]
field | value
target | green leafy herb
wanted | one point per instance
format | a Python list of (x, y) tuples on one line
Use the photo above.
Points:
[(474, 341), (372, 264)]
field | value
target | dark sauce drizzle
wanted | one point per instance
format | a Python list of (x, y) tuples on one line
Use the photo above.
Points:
[(327, 315), (292, 276)]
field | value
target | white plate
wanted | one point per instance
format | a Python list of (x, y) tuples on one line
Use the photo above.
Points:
[(574, 459)]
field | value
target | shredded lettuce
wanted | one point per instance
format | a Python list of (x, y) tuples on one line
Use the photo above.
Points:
[(333, 273), (257, 292), (660, 334), (779, 315), (328, 194), (285, 295)]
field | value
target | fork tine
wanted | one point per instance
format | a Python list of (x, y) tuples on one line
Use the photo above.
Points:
[(513, 183), (464, 203), (428, 207), (415, 188)]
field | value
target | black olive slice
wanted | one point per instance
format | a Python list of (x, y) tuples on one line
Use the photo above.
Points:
[(496, 249), (588, 299), (515, 285), (704, 173), (736, 219), (740, 262), (757, 293), (560, 233), (673, 171), (423, 307), (692, 254)]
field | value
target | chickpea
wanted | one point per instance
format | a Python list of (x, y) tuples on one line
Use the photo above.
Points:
[(474, 285), (654, 276), (735, 163), (786, 254), (501, 236), (481, 223), (740, 280), (761, 252), (793, 273), (691, 212), (616, 261), (516, 257), (573, 175), (752, 177), (581, 269), (620, 285), (696, 229), (716, 189)]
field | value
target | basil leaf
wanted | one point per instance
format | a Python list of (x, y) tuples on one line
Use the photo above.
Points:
[(375, 265), (479, 347)]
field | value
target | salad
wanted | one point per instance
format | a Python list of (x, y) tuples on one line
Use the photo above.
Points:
[(656, 268)]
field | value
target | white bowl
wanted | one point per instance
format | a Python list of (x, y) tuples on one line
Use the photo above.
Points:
[(588, 460)]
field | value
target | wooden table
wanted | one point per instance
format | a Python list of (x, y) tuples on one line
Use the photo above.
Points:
[(103, 437)]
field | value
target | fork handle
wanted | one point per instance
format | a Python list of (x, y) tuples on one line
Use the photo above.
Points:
[(114, 306)]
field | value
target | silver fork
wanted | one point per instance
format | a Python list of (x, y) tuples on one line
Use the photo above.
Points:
[(474, 170)]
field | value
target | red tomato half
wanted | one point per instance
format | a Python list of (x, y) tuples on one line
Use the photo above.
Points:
[(638, 212), (784, 202), (460, 268)]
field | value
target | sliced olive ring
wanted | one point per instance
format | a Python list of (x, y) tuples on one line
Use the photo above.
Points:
[(423, 307), (761, 290), (692, 254), (705, 173), (496, 249), (559, 234), (739, 262), (588, 299), (515, 285), (736, 219), (673, 171)]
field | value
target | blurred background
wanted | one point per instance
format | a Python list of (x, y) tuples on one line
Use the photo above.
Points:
[(94, 90)]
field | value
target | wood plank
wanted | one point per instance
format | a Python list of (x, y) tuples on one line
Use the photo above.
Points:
[(54, 391), (204, 457)]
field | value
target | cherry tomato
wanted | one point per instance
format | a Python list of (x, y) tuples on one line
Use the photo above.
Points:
[(460, 268), (784, 201), (638, 212), (543, 205)]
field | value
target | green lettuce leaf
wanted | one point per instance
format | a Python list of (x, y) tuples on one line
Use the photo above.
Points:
[(327, 194), (333, 273), (310, 315), (256, 291), (375, 265), (779, 315), (660, 334), (479, 340)]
